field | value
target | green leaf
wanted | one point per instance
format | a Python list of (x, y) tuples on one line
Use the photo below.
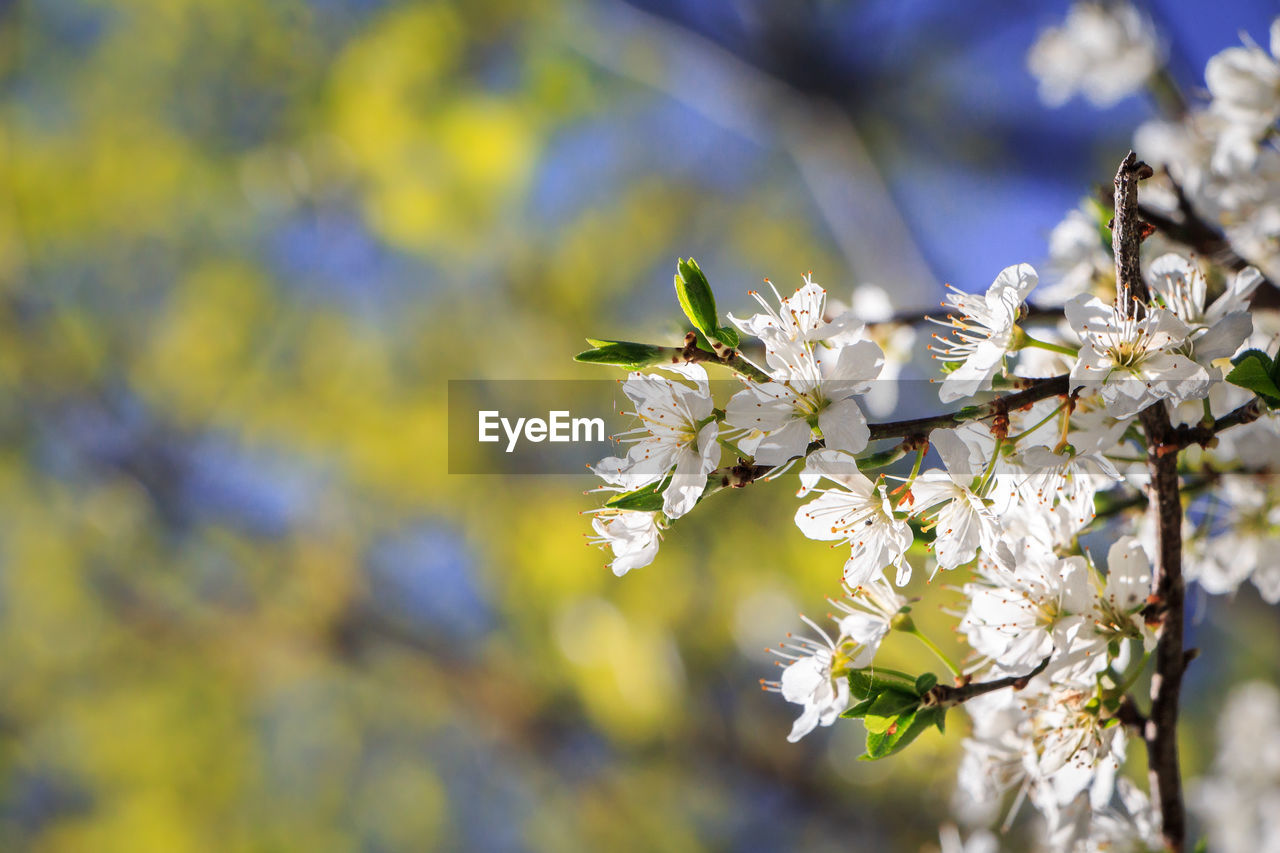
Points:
[(859, 710), (890, 703), (925, 683), (870, 683), (644, 499), (694, 292), (728, 336), (904, 729), (628, 354), (878, 725), (1255, 371)]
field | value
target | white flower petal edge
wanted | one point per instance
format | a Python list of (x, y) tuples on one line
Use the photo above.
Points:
[(982, 332)]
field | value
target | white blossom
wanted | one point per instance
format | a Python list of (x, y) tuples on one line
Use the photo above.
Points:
[(814, 678), (872, 305), (1132, 356), (982, 332), (677, 438), (1245, 546), (1124, 595), (1102, 52), (778, 418), (1066, 480), (633, 536), (799, 320), (1245, 85), (1044, 608), (868, 612), (1216, 331), (859, 512), (962, 520)]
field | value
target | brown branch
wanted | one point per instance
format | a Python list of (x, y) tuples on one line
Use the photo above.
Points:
[(945, 695), (1160, 731), (1039, 389), (1202, 434), (1128, 231), (914, 318)]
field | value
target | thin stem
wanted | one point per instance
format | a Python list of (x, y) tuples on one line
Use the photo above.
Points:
[(901, 491), (1029, 341), (1202, 434), (1014, 439), (985, 479), (933, 647), (1135, 671)]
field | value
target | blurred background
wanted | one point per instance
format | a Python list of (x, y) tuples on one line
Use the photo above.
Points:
[(244, 245)]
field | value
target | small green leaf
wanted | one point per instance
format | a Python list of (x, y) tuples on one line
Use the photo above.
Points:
[(887, 708), (878, 725), (870, 683), (700, 340), (880, 739), (696, 299), (904, 729), (626, 354), (893, 702), (925, 683), (941, 720), (858, 710), (728, 336), (1255, 371)]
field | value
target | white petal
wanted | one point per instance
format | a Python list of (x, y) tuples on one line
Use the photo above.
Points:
[(1223, 338), (843, 426), (789, 442)]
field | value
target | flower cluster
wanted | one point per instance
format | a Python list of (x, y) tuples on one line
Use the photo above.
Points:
[(1012, 493), (1028, 498), (1104, 52)]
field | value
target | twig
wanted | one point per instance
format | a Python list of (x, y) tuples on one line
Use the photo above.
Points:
[(945, 695), (1128, 230), (915, 318), (1040, 389), (1185, 436), (1160, 731)]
